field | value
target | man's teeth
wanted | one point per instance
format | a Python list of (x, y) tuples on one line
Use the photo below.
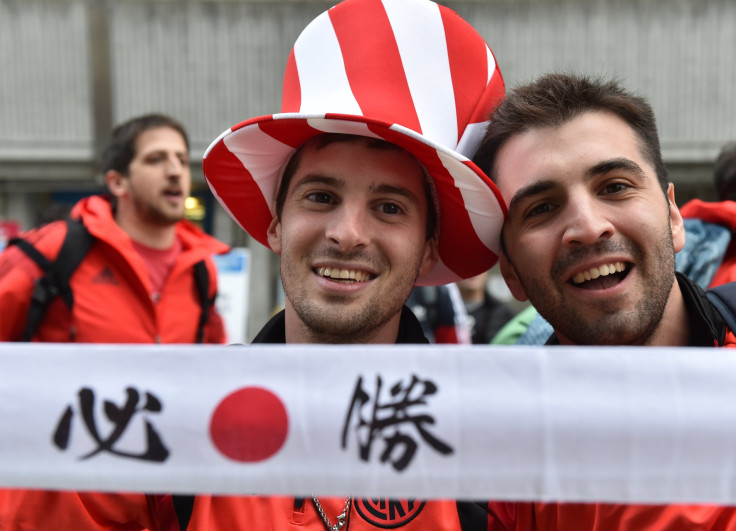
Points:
[(342, 274), (595, 272)]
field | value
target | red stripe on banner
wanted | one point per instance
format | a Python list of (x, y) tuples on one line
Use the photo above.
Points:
[(237, 189), (290, 131), (291, 99), (456, 229), (373, 75)]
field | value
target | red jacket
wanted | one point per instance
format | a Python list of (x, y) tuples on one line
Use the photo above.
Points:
[(82, 511), (724, 214), (112, 290), (614, 517), (271, 513)]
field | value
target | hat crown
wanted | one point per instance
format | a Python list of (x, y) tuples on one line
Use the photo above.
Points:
[(426, 69)]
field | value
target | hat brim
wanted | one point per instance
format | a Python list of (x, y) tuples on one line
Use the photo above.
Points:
[(243, 167)]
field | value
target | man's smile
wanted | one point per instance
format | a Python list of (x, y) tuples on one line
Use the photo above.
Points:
[(601, 277), (350, 275)]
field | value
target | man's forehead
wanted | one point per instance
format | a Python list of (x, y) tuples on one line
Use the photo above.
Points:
[(384, 162), (158, 138), (587, 145)]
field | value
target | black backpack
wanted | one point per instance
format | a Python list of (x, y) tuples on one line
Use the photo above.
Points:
[(55, 281)]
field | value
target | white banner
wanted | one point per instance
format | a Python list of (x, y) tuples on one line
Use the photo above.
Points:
[(470, 422)]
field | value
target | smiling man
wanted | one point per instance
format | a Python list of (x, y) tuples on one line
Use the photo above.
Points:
[(363, 188), (352, 233), (590, 239), (592, 227)]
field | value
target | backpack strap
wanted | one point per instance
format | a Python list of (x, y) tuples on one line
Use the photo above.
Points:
[(55, 281), (202, 280), (723, 297)]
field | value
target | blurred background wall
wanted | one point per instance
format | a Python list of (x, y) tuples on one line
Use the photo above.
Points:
[(71, 69)]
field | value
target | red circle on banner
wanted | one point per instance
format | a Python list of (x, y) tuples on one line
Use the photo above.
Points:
[(249, 425)]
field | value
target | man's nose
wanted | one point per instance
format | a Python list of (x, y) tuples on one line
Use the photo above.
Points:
[(349, 227), (586, 223), (174, 166)]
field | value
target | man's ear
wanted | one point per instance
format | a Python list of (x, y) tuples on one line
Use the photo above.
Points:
[(430, 258), (676, 222), (508, 272), (274, 235), (116, 183)]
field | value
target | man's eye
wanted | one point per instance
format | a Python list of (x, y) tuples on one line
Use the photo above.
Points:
[(390, 208), (614, 188), (320, 197), (539, 209)]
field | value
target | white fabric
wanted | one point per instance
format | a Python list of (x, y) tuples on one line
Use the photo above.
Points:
[(428, 86), (603, 424), (320, 64)]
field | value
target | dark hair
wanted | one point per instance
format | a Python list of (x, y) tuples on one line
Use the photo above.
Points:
[(554, 99), (724, 173), (120, 149), (326, 139)]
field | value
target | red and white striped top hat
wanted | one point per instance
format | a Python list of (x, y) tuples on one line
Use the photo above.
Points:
[(411, 72)]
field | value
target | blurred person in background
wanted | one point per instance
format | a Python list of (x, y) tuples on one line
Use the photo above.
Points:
[(486, 314), (140, 273), (441, 313)]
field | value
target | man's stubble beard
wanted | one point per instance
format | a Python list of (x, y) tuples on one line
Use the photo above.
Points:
[(154, 215), (634, 326), (326, 322)]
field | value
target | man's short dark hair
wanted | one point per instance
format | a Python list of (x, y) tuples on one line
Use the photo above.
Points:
[(324, 140), (120, 149), (555, 99), (724, 173)]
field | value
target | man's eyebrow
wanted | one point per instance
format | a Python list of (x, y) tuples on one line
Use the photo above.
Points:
[(395, 190), (318, 178), (163, 151), (621, 163), (601, 168), (531, 190)]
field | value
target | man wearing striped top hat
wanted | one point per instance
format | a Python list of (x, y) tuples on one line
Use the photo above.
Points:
[(363, 186)]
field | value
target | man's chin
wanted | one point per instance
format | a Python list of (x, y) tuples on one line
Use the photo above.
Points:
[(604, 334), (166, 219)]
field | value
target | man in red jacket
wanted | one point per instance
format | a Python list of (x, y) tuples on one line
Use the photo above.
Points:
[(361, 188), (590, 239), (136, 282)]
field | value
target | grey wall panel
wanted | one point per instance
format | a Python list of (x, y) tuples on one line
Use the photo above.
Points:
[(44, 81), (680, 54), (214, 63), (211, 65)]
